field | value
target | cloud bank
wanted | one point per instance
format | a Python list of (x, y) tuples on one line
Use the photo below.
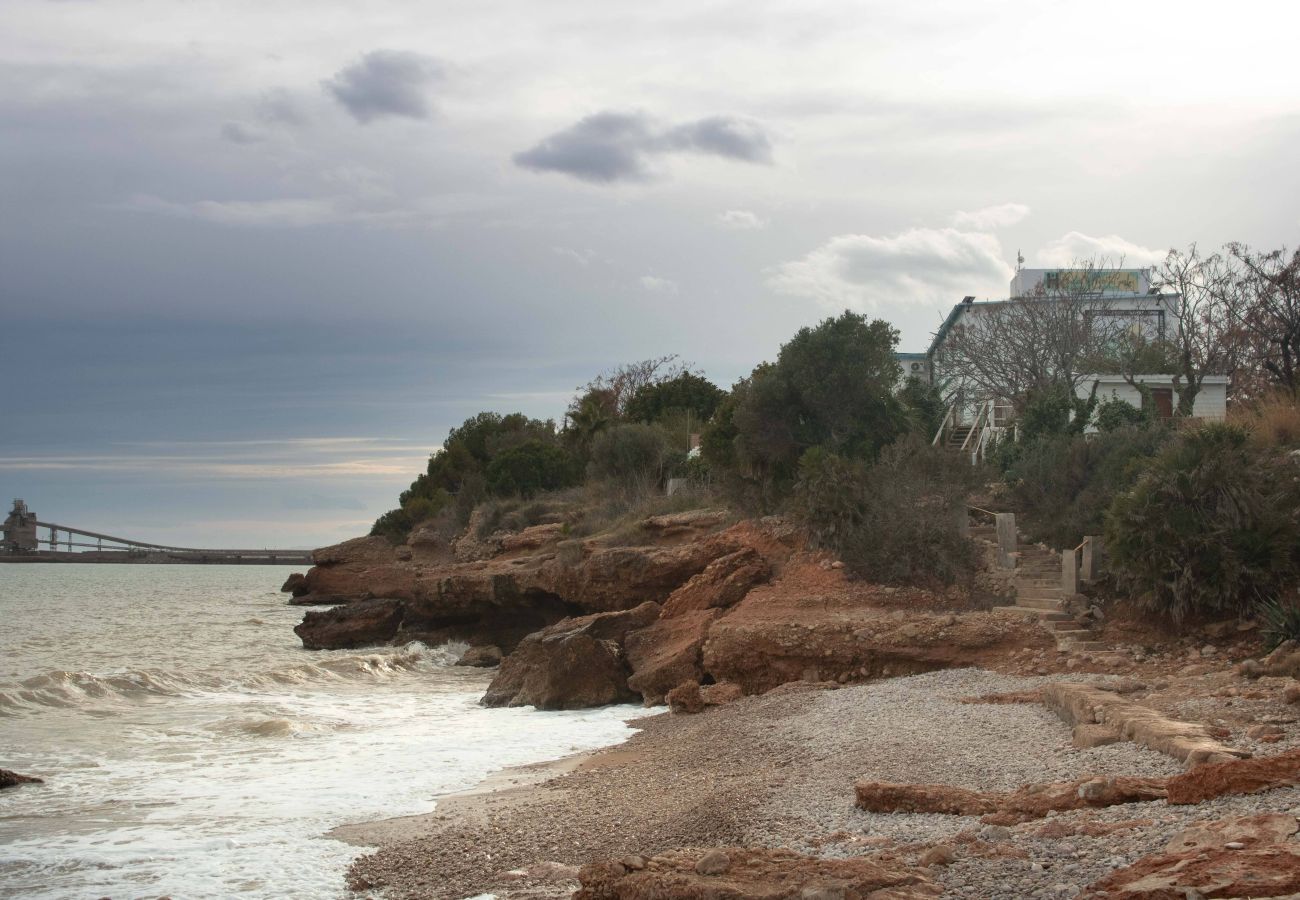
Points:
[(1110, 250), (386, 83)]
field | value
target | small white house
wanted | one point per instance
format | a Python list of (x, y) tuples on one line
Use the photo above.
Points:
[(1211, 403)]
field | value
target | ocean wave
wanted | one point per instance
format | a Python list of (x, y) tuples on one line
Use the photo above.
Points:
[(70, 689)]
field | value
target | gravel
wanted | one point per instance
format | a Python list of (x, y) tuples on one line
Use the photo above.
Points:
[(778, 770)]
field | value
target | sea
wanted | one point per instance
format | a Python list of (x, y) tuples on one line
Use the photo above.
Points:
[(192, 748)]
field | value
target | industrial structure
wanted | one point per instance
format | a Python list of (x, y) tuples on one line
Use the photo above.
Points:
[(20, 541)]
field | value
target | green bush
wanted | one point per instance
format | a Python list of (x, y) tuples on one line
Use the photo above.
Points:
[(1062, 484), (1211, 526), (531, 468), (684, 392), (894, 521), (1280, 621), (1115, 414), (633, 457)]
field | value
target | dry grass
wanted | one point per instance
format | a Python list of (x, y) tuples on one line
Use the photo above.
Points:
[(1274, 420)]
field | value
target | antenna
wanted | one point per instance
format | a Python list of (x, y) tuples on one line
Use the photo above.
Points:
[(1020, 261)]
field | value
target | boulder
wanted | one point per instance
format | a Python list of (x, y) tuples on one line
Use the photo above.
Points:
[(295, 584), (481, 657), (532, 537), (612, 578), (10, 779), (667, 653), (351, 625), (732, 873), (1238, 776), (723, 583), (1249, 831), (1284, 661), (686, 698), (574, 664)]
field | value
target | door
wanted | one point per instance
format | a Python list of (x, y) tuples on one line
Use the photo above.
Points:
[(1163, 398)]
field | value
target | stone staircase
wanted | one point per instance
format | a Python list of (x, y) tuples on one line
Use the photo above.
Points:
[(1039, 594)]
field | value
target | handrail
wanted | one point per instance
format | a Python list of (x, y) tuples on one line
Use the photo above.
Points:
[(943, 424), (975, 427)]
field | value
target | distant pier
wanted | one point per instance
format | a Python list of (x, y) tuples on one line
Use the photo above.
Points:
[(22, 542)]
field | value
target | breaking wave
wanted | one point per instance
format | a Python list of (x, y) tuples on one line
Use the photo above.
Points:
[(73, 689)]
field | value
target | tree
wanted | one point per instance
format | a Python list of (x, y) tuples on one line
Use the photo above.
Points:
[(634, 456), (683, 392), (618, 386), (530, 468), (1010, 349), (1270, 313), (1207, 299)]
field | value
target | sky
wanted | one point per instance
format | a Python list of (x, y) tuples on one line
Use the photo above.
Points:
[(256, 258)]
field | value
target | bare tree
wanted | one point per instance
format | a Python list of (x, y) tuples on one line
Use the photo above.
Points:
[(1270, 313), (1207, 299), (1007, 350)]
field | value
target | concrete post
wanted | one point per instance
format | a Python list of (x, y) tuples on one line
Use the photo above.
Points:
[(1069, 574), (1006, 529), (1088, 565)]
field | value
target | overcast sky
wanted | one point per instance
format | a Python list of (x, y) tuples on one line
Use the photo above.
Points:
[(257, 257)]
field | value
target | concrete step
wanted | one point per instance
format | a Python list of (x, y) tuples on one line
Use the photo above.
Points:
[(1046, 616), (1073, 635), (1047, 603), (1067, 623), (1088, 646)]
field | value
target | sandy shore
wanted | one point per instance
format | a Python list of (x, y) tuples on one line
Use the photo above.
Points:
[(777, 771)]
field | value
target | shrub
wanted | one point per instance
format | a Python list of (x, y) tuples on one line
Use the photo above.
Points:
[(684, 392), (631, 456), (1211, 525), (924, 404), (1280, 621), (1274, 421), (1062, 485), (1115, 414), (530, 468), (895, 521)]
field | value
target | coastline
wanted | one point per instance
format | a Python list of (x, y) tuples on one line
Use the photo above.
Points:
[(777, 771)]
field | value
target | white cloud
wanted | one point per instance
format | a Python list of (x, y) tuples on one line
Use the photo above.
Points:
[(741, 220), (919, 266), (1110, 250), (657, 285), (990, 218), (581, 257)]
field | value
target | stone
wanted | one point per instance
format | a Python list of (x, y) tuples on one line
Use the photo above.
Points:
[(668, 652), (1265, 871), (995, 833), (1240, 776), (941, 855), (481, 657), (358, 624), (755, 873), (686, 698), (714, 862), (724, 582), (10, 779), (1243, 831), (1087, 736), (1291, 694), (295, 584), (1257, 732), (720, 694)]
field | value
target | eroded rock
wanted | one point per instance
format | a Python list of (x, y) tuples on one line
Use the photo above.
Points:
[(668, 652), (481, 657), (756, 874), (10, 779), (1240, 776), (351, 625), (574, 664)]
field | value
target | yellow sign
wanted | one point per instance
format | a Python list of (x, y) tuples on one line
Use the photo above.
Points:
[(1093, 280)]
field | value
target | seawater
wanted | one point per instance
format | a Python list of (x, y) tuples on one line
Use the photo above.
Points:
[(191, 747)]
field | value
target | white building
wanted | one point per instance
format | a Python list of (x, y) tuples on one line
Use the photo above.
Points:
[(1210, 403)]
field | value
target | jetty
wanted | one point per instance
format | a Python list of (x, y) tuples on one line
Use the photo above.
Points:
[(26, 539)]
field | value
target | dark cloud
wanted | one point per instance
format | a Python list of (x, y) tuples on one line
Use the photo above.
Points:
[(613, 146), (386, 83), (723, 136)]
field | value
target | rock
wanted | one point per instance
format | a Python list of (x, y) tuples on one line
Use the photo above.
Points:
[(1030, 802), (295, 584), (10, 779), (1259, 732), (691, 520), (668, 653), (351, 625), (723, 583), (1086, 736), (1245, 831), (1284, 661), (720, 694), (573, 664), (1241, 776), (481, 657), (714, 862), (995, 833), (1267, 871), (1291, 694), (941, 855), (1250, 668), (532, 537), (686, 698), (757, 875), (1084, 704)]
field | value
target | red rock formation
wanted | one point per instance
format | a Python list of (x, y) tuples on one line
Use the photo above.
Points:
[(668, 653), (1253, 856), (573, 664), (1239, 776), (723, 583), (735, 873), (351, 625), (1030, 802)]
